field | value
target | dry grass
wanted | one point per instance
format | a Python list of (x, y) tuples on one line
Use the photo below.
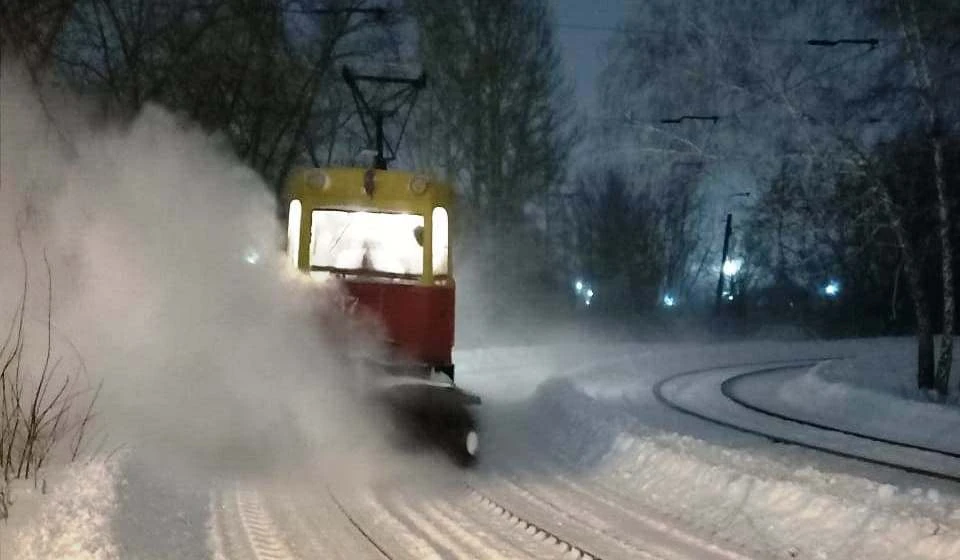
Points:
[(45, 411)]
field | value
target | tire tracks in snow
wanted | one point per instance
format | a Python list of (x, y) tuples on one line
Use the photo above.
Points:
[(261, 532)]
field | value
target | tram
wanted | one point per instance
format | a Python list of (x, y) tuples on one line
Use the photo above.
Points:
[(385, 236)]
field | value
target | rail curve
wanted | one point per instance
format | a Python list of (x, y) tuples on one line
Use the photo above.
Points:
[(769, 367)]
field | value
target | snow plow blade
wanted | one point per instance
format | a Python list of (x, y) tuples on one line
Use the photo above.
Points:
[(421, 392), (434, 412)]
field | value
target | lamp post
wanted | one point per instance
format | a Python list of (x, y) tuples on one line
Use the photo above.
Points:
[(726, 248)]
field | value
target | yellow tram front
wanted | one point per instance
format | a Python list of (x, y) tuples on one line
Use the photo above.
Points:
[(386, 236)]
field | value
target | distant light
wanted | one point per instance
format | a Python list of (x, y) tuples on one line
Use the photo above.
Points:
[(252, 256), (730, 297), (578, 286), (589, 294), (669, 301), (731, 267), (832, 289)]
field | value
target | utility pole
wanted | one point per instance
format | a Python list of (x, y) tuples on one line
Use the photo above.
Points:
[(723, 259), (726, 249)]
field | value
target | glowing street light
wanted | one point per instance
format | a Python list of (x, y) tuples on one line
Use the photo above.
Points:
[(732, 266), (584, 291), (832, 289), (669, 300)]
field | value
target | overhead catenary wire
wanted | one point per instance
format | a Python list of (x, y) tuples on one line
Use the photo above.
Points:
[(764, 98), (652, 32), (753, 104)]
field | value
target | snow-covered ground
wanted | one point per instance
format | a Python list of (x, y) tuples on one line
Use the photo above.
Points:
[(776, 501), (63, 514), (576, 451), (747, 490)]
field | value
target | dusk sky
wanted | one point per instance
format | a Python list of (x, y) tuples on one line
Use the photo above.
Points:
[(583, 46)]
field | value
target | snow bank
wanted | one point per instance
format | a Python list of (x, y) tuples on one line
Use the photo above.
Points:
[(761, 496), (801, 511), (511, 373), (887, 365), (70, 522)]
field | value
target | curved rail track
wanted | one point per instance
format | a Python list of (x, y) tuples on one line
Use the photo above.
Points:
[(729, 391), (929, 465)]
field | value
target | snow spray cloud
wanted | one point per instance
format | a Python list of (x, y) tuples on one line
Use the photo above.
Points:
[(169, 282)]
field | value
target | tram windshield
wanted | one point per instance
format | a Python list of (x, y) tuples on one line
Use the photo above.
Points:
[(381, 242)]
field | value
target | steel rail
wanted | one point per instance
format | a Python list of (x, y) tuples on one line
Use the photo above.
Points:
[(728, 390), (357, 526), (659, 395)]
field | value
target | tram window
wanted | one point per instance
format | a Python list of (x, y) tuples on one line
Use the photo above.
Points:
[(377, 241), (441, 241)]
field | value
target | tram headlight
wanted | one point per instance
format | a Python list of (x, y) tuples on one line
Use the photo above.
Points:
[(294, 216), (318, 179), (418, 184)]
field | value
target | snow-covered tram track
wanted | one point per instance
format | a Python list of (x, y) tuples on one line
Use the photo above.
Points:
[(706, 393), (265, 540), (539, 532), (730, 390), (243, 530), (411, 521)]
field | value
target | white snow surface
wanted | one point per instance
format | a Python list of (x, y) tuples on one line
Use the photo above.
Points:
[(65, 514), (747, 498), (779, 500), (589, 415)]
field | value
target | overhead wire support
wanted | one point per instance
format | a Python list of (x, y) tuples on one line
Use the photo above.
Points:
[(872, 43), (712, 118), (386, 107), (378, 13)]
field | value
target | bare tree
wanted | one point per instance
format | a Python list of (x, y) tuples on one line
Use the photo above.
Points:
[(495, 117), (780, 95), (31, 28), (259, 71), (619, 241), (916, 52)]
